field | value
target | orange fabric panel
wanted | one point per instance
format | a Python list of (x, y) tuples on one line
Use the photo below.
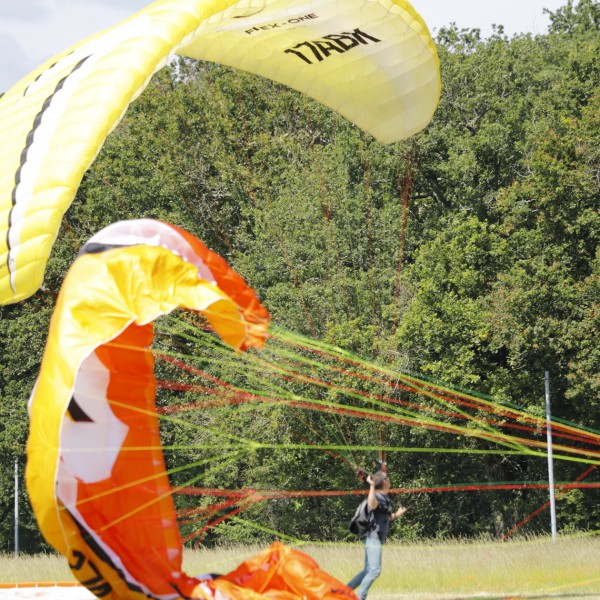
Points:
[(133, 512), (281, 573), (233, 285)]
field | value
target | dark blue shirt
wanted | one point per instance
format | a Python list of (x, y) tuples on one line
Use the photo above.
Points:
[(383, 514)]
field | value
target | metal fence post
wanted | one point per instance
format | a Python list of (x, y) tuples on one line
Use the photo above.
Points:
[(16, 507), (550, 459)]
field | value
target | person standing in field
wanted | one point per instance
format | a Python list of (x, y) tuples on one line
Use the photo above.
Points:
[(379, 503)]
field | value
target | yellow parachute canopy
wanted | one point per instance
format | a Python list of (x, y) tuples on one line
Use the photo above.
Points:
[(372, 61)]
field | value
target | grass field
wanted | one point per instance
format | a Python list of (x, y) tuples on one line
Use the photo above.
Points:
[(539, 568)]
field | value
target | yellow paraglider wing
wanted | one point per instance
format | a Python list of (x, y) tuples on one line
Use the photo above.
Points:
[(373, 61)]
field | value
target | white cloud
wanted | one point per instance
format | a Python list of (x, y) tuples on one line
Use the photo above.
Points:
[(24, 10), (42, 28), (517, 16), (13, 64), (32, 31)]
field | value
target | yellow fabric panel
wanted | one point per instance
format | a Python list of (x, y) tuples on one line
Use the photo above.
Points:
[(373, 61), (82, 95)]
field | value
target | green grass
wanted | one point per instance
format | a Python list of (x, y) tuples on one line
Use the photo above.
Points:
[(568, 568), (38, 567)]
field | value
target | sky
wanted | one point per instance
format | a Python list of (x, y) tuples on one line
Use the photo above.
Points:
[(32, 31)]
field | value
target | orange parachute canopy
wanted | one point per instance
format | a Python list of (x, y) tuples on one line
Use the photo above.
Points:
[(278, 573), (95, 471)]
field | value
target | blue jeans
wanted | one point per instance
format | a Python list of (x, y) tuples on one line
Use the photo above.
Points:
[(372, 567)]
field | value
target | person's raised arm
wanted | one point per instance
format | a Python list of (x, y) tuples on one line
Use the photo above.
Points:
[(372, 501)]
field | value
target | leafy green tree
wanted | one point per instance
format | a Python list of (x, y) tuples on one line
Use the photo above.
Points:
[(468, 253)]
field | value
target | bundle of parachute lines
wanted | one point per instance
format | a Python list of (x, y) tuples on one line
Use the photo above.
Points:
[(95, 469)]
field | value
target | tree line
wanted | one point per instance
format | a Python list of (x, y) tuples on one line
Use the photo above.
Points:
[(468, 253)]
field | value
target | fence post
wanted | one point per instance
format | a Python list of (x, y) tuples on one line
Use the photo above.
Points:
[(16, 507), (550, 458)]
